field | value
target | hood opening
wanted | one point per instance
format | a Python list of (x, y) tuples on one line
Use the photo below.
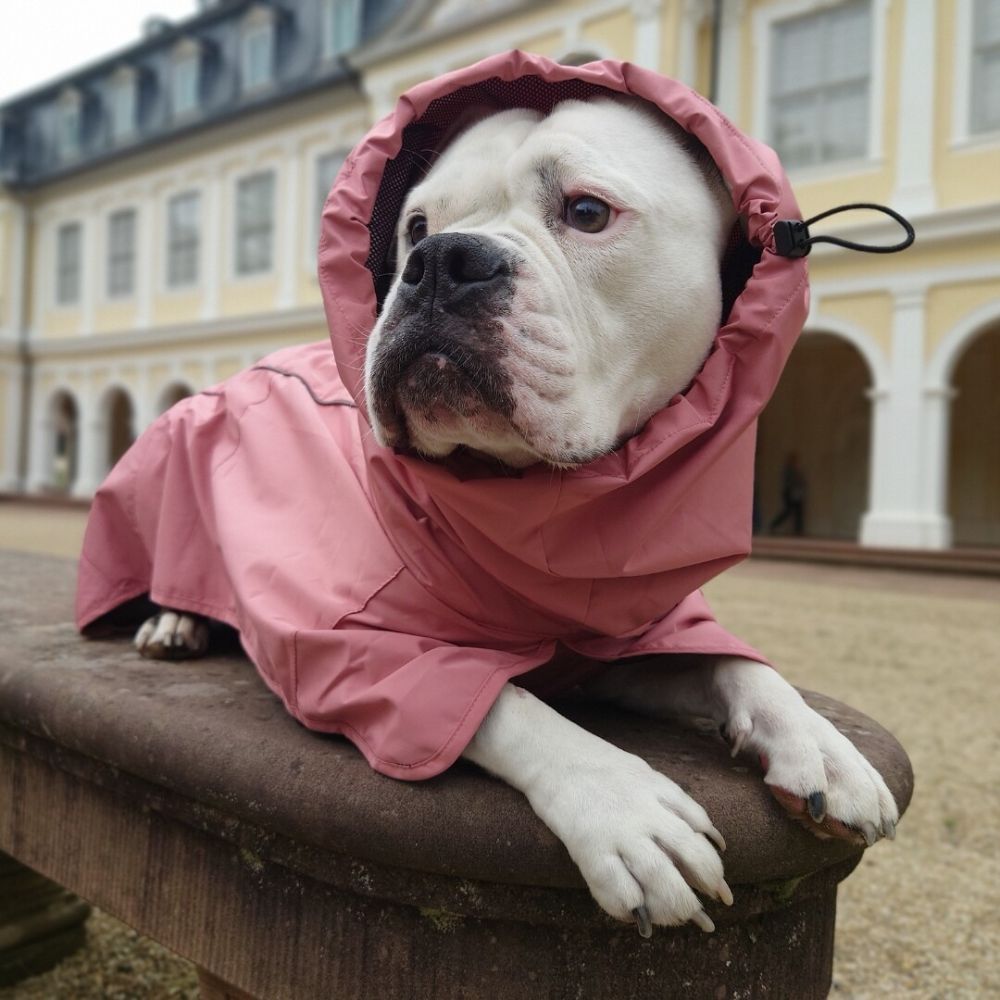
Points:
[(424, 138)]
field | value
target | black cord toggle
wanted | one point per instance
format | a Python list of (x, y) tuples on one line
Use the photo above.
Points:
[(792, 237)]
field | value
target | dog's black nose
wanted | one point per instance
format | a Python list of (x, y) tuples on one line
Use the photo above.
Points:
[(448, 266)]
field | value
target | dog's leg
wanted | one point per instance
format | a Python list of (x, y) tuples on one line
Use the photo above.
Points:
[(817, 775), (172, 635), (638, 839)]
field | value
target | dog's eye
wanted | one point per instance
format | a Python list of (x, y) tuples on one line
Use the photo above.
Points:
[(417, 229), (588, 214)]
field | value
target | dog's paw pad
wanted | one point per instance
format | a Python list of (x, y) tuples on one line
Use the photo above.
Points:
[(172, 635)]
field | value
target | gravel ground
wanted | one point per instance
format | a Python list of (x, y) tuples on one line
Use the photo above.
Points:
[(920, 653)]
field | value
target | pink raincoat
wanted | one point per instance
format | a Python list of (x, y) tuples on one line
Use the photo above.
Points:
[(389, 598)]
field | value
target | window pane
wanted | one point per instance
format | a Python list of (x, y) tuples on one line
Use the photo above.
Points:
[(987, 22), (795, 130), (123, 110), (183, 239), (820, 85), (257, 58), (343, 19), (121, 252), (986, 91), (68, 264), (185, 86), (254, 223)]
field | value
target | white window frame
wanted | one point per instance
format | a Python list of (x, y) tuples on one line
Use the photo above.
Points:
[(765, 19), (186, 59), (261, 170), (962, 135), (57, 271), (118, 295), (124, 104), (183, 287), (316, 210), (329, 22), (69, 124), (258, 24)]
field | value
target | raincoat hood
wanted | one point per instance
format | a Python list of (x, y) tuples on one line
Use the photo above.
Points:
[(389, 598), (608, 545)]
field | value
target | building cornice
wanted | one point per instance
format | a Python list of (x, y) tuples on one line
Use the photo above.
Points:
[(965, 222), (225, 328)]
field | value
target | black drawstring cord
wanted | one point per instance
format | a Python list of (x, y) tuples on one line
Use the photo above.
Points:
[(792, 238)]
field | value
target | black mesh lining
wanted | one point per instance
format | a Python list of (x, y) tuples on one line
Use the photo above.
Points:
[(423, 138)]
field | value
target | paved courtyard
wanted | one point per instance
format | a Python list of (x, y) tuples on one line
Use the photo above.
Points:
[(920, 653)]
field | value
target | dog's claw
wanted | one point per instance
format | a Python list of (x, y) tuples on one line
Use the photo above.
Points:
[(717, 839), (869, 832), (704, 921), (889, 829), (725, 893), (816, 804), (643, 922)]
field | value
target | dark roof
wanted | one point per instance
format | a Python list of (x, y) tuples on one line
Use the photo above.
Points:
[(30, 151)]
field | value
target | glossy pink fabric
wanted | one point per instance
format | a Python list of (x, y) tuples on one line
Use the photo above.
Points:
[(389, 599)]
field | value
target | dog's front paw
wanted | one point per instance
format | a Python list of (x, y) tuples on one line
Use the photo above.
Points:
[(172, 635), (639, 840), (815, 772)]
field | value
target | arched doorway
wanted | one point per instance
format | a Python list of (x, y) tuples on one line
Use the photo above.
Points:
[(120, 417), (172, 394), (974, 446), (819, 419), (65, 423)]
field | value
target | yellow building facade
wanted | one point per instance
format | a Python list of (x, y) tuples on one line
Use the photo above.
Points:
[(890, 402)]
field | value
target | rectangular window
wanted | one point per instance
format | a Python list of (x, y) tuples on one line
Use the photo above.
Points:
[(327, 167), (69, 131), (985, 110), (258, 57), (821, 86), (123, 110), (254, 223), (182, 239), (121, 253), (342, 21), (185, 86), (68, 264)]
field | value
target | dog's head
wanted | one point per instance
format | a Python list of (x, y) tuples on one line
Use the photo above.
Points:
[(558, 283)]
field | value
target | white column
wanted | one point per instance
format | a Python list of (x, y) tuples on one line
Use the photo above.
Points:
[(92, 270), (648, 49), (148, 231), (41, 439), (902, 514), (914, 192), (145, 406), (692, 16), (289, 219), (209, 259), (730, 69), (937, 426), (92, 456), (10, 480)]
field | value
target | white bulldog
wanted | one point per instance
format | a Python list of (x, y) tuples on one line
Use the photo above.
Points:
[(558, 283)]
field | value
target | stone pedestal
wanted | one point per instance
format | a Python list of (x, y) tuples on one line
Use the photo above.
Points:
[(183, 799)]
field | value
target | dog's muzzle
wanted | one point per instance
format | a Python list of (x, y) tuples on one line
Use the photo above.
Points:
[(442, 342)]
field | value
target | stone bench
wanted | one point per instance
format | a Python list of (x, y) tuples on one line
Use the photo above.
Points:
[(182, 799)]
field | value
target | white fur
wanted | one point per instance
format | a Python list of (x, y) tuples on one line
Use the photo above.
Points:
[(605, 327)]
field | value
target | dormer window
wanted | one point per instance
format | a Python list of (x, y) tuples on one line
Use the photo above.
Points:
[(257, 60), (68, 123), (123, 104), (341, 26), (185, 78)]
